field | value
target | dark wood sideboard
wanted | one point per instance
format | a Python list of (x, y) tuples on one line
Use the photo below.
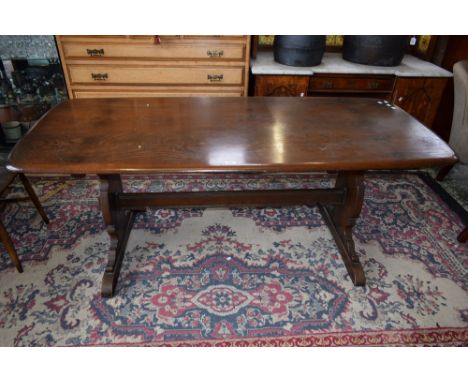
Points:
[(415, 86)]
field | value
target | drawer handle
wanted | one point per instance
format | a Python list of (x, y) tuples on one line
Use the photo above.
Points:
[(95, 52), (215, 53), (215, 77), (327, 85), (99, 76), (373, 85)]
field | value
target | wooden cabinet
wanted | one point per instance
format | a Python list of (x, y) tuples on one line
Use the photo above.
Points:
[(415, 85), (152, 66), (420, 97)]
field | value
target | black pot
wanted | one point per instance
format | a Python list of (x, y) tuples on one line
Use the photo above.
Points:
[(375, 50), (299, 50)]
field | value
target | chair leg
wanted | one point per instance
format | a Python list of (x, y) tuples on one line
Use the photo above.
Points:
[(6, 240), (443, 173), (463, 236), (33, 197)]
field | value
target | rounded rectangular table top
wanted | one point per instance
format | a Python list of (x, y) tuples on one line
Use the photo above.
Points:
[(208, 134)]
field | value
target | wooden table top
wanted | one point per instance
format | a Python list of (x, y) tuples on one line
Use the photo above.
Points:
[(206, 134)]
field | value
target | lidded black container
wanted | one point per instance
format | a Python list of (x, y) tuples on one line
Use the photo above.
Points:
[(375, 50), (299, 50)]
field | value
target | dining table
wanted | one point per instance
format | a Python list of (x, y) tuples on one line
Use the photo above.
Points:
[(113, 137)]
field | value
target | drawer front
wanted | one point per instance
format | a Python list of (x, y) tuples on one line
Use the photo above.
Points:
[(102, 74), (281, 86), (352, 84), (167, 93), (211, 52)]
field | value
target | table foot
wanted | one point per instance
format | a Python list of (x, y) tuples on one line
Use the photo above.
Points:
[(116, 255), (463, 236), (341, 218)]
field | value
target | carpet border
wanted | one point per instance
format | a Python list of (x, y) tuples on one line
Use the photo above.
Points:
[(450, 336)]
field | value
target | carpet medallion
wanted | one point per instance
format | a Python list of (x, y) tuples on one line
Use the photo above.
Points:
[(239, 276)]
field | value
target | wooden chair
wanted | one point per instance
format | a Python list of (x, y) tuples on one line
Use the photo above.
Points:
[(6, 178), (459, 133), (458, 139)]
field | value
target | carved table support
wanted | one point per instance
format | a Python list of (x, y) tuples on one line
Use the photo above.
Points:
[(340, 208), (341, 219), (119, 224)]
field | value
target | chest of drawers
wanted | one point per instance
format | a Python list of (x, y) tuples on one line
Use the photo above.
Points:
[(151, 66)]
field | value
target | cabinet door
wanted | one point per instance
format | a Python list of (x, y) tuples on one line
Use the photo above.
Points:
[(281, 86), (420, 97)]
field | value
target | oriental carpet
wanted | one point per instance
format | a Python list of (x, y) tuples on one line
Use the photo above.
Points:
[(238, 276)]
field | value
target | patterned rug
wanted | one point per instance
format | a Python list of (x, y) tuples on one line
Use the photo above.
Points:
[(239, 276)]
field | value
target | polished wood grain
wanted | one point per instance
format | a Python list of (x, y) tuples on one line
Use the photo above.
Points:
[(420, 97), (281, 86), (117, 136)]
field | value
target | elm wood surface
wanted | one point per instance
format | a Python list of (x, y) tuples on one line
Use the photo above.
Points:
[(197, 135), (117, 136)]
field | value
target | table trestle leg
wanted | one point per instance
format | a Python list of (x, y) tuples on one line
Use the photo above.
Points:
[(119, 224), (341, 219)]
